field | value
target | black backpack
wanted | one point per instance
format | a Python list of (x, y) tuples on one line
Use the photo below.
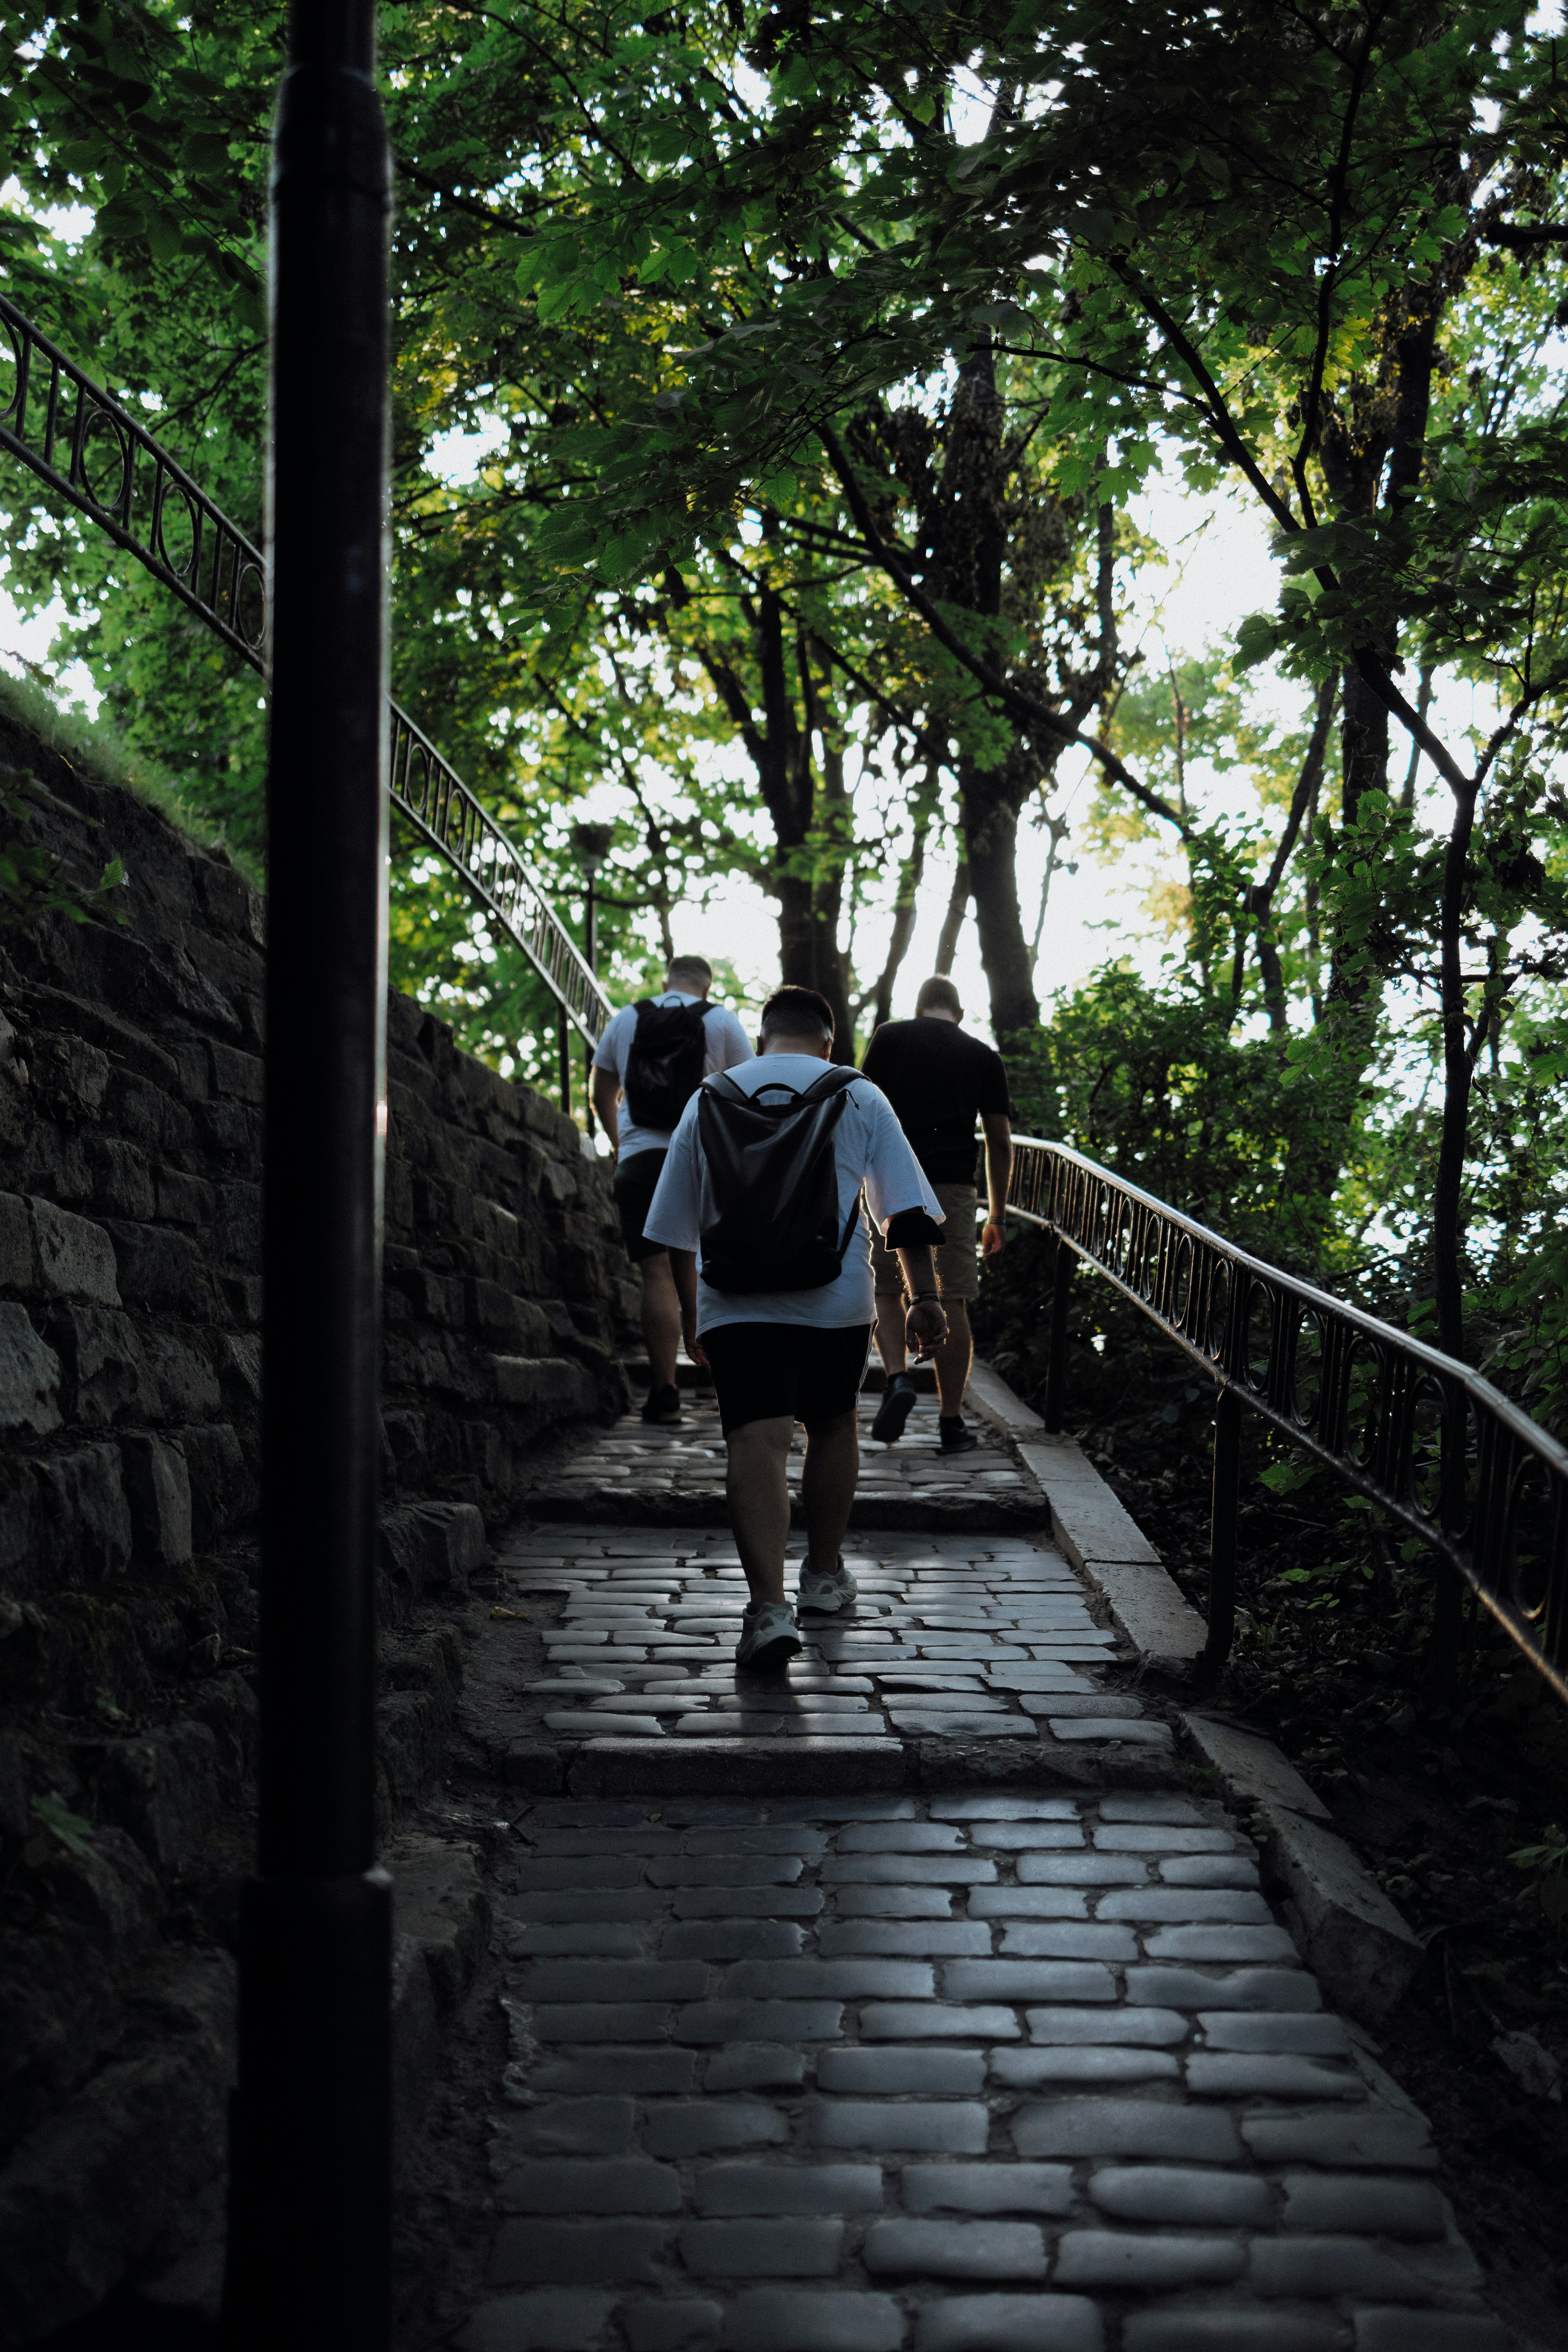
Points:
[(770, 1185), (664, 1067)]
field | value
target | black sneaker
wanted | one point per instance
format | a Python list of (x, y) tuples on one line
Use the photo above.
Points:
[(663, 1407), (898, 1403), (955, 1435)]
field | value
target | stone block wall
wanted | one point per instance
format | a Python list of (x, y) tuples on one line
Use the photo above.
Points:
[(130, 1382)]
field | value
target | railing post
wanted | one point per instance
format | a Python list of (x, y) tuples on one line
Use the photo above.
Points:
[(564, 1055), (1222, 1534), (1448, 1596), (310, 2213), (1056, 1359)]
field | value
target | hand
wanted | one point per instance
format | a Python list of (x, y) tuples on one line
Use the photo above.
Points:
[(994, 1240), (694, 1347), (925, 1327)]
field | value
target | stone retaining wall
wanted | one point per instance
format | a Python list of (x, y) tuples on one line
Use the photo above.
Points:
[(129, 1378)]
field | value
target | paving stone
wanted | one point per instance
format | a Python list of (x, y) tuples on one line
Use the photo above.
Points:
[(1163, 2193), (1081, 1870), (1173, 1988), (724, 1870), (1023, 1835), (1317, 2037), (693, 2130), (1009, 2322), (1028, 1902), (1222, 1943), (755, 2066), (1155, 2029), (622, 2020), (593, 1938), (612, 1980), (991, 1809), (776, 2319), (972, 2249), (950, 1725), (894, 1902), (747, 1902), (934, 1938), (617, 2069), (1137, 1837), (1207, 1871), (1026, 1981), (586, 1871), (1394, 2209), (554, 1843), (777, 2189), (550, 2319), (1126, 2127), (760, 2021), (569, 2253), (1066, 1939), (908, 1869), (1117, 2062), (601, 2127), (768, 1837), (987, 2188), (671, 2326), (552, 2186), (730, 1939), (831, 1979), (1370, 2135), (798, 2247), (1131, 1729), (1230, 1904), (1430, 2331), (1227, 2328), (583, 1906), (955, 2073), (934, 2020), (1239, 2075), (1136, 1805), (921, 2128), (1118, 2260), (1325, 2266)]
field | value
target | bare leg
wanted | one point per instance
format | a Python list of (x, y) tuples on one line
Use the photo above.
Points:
[(891, 1332), (953, 1358), (827, 1488), (758, 1491), (661, 1319)]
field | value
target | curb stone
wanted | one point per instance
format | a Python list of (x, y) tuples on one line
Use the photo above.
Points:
[(1349, 1933)]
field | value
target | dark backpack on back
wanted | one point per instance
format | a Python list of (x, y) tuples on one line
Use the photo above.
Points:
[(770, 1185), (664, 1067)]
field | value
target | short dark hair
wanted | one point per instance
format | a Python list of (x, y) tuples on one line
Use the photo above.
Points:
[(940, 991), (797, 1012), (697, 967)]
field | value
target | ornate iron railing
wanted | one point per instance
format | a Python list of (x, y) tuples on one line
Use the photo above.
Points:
[(1445, 1455), (90, 451)]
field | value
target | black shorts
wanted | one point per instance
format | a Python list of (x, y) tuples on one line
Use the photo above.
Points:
[(633, 1187), (768, 1372)]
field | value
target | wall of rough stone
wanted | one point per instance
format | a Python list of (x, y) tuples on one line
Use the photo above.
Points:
[(129, 1378)]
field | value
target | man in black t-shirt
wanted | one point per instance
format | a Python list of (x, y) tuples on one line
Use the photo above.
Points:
[(938, 1079)]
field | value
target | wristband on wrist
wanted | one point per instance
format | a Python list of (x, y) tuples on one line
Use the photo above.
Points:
[(917, 1296)]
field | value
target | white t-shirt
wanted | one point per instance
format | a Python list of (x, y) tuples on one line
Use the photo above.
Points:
[(870, 1149), (726, 1042)]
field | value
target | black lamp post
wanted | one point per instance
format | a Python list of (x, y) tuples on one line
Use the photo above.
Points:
[(592, 845), (308, 2252)]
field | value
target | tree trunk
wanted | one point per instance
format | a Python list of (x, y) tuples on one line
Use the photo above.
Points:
[(1457, 1070), (991, 833), (953, 921)]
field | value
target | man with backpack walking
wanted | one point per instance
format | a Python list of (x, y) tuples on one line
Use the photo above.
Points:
[(758, 1207), (938, 1079), (654, 1054)]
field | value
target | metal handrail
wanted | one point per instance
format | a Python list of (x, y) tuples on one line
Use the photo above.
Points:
[(93, 451), (1422, 1435)]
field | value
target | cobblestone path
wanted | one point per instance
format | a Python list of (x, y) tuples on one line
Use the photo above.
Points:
[(1030, 2068)]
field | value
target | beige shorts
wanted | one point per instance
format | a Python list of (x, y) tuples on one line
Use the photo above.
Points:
[(957, 1264)]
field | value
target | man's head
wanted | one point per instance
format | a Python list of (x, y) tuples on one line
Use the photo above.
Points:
[(937, 996), (797, 1021), (690, 975)]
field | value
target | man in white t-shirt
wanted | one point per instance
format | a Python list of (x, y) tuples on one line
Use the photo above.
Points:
[(639, 1154), (779, 1356)]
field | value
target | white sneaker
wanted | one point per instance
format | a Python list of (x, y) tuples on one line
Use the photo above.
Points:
[(827, 1592), (769, 1637)]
